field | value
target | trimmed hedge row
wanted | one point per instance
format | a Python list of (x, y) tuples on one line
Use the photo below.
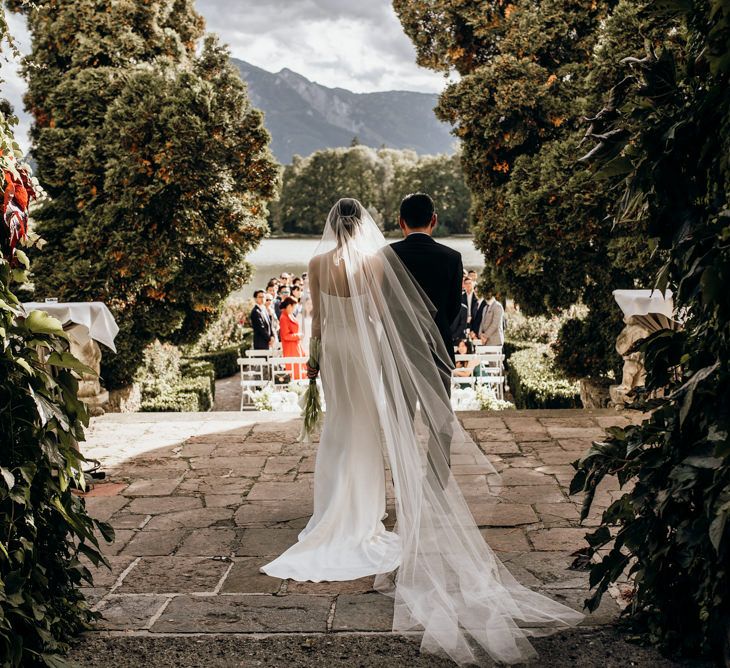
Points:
[(194, 392), (224, 361), (535, 383)]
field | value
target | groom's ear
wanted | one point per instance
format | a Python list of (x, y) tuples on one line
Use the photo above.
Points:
[(434, 221)]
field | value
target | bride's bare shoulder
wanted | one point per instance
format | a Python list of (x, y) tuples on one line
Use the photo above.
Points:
[(317, 260)]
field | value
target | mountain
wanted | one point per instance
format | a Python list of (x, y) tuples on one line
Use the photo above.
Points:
[(303, 116)]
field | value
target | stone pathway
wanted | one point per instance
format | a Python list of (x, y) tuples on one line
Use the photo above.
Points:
[(199, 501)]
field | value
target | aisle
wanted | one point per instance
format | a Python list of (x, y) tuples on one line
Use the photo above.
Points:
[(200, 500)]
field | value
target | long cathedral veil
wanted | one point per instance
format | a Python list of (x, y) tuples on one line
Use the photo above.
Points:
[(449, 584)]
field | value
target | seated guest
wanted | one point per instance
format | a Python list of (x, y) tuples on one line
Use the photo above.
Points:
[(263, 331), (465, 368), (291, 337)]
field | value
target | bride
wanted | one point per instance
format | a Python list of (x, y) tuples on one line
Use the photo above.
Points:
[(382, 364)]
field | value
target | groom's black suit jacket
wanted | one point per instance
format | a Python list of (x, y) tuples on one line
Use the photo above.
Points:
[(439, 271)]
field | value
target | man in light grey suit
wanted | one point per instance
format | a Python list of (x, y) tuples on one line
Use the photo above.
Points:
[(491, 329)]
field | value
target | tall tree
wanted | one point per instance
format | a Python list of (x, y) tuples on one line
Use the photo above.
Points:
[(666, 126), (157, 166), (380, 179), (525, 85)]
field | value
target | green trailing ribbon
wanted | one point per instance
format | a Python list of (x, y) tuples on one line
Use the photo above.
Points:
[(311, 403)]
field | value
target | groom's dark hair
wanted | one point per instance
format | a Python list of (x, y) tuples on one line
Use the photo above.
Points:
[(416, 210)]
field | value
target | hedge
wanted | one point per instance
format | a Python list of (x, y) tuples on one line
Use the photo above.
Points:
[(511, 346), (225, 360), (193, 392), (534, 382)]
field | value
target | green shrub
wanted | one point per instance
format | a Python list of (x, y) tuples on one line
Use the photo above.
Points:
[(230, 328), (670, 528), (512, 346), (534, 382), (193, 389), (183, 402), (199, 387), (225, 361), (45, 528), (160, 370), (538, 328), (195, 368)]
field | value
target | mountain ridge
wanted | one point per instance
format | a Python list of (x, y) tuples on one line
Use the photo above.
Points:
[(303, 116)]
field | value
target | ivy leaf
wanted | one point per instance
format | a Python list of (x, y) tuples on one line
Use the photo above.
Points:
[(8, 477), (39, 322), (717, 526), (68, 361)]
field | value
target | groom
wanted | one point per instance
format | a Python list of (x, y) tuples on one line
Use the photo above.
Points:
[(438, 270)]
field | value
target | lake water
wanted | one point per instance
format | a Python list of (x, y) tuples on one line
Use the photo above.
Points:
[(292, 255)]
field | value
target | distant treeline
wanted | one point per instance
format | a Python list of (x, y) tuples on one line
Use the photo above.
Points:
[(378, 178)]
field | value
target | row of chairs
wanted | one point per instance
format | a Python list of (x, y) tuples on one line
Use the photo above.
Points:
[(488, 369), (267, 368)]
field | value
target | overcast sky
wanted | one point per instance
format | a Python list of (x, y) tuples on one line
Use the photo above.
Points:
[(353, 44)]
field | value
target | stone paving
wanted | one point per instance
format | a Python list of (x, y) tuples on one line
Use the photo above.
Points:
[(200, 501)]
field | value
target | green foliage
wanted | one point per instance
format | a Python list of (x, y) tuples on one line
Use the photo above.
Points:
[(538, 328), (225, 360), (667, 127), (44, 525), (379, 179), (536, 384), (530, 71), (229, 329), (157, 166), (169, 382)]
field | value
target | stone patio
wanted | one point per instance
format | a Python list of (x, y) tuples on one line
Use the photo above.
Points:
[(200, 501)]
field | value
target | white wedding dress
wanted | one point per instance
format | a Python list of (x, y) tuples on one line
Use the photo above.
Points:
[(384, 366), (345, 538)]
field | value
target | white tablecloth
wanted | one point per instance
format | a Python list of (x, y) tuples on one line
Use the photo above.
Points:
[(644, 302), (94, 316)]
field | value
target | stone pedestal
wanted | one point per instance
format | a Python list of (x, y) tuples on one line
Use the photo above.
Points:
[(594, 392), (87, 351)]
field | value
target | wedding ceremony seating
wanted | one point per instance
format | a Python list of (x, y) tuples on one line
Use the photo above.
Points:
[(491, 370)]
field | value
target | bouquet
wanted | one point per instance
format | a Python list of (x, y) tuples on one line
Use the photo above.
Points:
[(310, 401)]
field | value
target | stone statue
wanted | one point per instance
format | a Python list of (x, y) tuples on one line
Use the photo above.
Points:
[(634, 373), (87, 351)]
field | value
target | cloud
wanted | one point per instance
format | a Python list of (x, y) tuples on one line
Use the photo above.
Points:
[(347, 43), (353, 44)]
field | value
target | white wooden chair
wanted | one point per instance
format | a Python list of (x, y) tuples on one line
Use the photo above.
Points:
[(491, 367), (253, 377), (280, 365)]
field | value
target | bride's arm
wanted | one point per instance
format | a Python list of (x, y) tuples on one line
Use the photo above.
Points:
[(313, 275)]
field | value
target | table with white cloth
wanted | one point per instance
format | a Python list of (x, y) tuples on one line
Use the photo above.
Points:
[(87, 324), (645, 312)]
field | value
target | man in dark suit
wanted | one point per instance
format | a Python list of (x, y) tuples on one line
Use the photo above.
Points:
[(470, 299), (439, 271), (436, 268), (263, 332)]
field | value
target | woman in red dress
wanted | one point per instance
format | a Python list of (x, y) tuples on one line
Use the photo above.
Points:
[(291, 337)]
